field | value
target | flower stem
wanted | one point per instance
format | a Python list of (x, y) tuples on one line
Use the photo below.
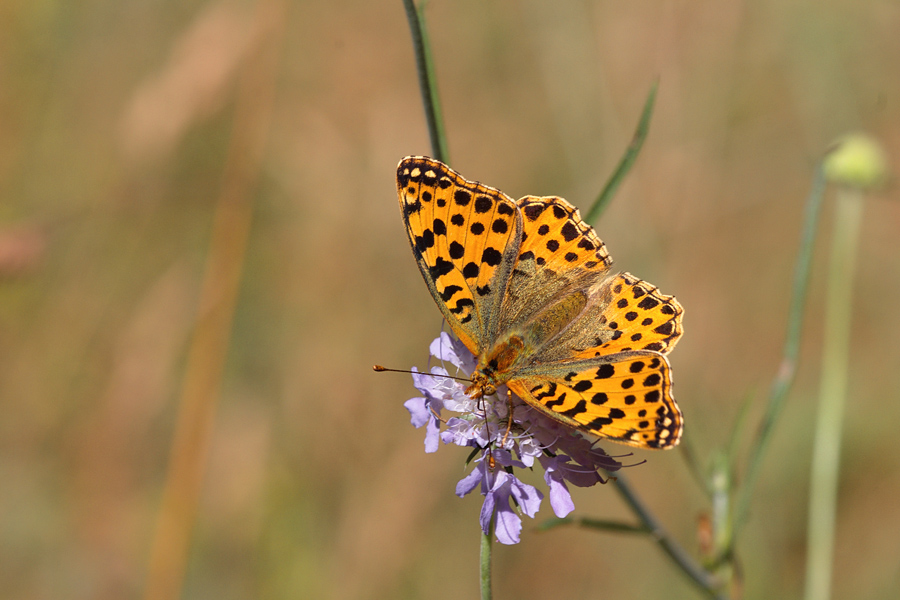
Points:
[(486, 562), (832, 394), (427, 80), (788, 368), (627, 160), (695, 572)]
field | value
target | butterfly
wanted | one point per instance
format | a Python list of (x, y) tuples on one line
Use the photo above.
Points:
[(526, 286)]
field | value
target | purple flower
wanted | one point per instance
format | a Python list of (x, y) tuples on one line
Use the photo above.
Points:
[(498, 487), (507, 440)]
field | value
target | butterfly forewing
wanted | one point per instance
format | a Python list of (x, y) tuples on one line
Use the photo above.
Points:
[(625, 397), (465, 237)]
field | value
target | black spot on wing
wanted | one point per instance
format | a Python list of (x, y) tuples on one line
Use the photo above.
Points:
[(666, 328), (599, 423), (599, 398), (491, 257), (425, 241), (483, 204), (648, 303), (533, 211), (440, 268), (583, 385), (411, 208), (575, 410), (449, 292), (569, 231), (606, 371), (461, 305), (551, 391)]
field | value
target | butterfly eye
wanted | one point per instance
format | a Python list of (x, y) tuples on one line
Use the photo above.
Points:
[(489, 390)]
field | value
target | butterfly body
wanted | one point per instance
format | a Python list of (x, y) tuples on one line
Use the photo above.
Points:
[(526, 286), (516, 350)]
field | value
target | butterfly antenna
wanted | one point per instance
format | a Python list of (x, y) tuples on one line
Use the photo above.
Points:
[(380, 369)]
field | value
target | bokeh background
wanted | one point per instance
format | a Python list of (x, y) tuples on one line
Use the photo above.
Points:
[(173, 170)]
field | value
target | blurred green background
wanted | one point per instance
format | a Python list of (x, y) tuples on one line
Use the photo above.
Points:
[(126, 127)]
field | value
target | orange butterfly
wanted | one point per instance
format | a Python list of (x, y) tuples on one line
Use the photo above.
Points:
[(526, 286)]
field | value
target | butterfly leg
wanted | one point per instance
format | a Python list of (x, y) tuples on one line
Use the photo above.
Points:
[(509, 418)]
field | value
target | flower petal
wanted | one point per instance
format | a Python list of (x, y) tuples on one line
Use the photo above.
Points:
[(432, 435), (442, 348), (560, 498), (528, 497), (470, 481), (508, 526), (418, 411)]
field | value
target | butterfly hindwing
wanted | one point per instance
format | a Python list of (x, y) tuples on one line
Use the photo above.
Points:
[(465, 237), (623, 313), (625, 397)]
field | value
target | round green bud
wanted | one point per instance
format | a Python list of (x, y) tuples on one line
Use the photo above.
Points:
[(856, 160)]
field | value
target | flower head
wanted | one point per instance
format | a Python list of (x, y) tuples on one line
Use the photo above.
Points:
[(507, 434)]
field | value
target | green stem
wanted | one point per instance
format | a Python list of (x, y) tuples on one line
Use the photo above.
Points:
[(427, 80), (612, 526), (788, 367), (486, 562), (832, 395), (695, 572), (627, 160)]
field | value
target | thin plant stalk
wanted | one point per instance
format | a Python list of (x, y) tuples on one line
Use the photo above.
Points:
[(486, 561), (590, 523), (788, 367), (218, 298), (706, 582), (627, 160), (427, 80), (832, 395)]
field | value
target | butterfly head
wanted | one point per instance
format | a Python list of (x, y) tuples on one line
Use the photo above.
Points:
[(482, 386), (496, 365)]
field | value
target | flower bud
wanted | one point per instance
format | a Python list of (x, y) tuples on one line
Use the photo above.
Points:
[(856, 160)]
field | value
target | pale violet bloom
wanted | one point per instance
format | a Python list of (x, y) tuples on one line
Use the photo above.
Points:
[(504, 443)]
